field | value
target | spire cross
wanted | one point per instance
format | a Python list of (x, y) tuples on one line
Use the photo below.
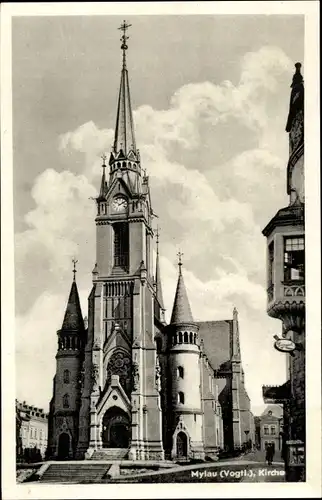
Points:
[(104, 157), (124, 27), (179, 254), (74, 261)]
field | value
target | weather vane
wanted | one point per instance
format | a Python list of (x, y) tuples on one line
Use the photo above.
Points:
[(74, 261), (104, 157), (124, 27), (179, 254), (157, 234)]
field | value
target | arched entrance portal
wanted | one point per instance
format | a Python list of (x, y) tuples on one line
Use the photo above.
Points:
[(116, 428), (182, 445), (63, 446)]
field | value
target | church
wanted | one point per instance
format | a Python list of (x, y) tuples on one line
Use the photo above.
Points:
[(127, 384)]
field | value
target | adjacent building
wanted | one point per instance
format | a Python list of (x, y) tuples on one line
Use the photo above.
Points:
[(128, 384), (285, 235), (271, 428), (32, 428)]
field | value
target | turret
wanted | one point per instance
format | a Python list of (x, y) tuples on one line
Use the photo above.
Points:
[(69, 358), (285, 232), (184, 364)]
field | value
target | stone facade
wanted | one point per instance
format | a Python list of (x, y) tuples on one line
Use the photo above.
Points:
[(128, 380)]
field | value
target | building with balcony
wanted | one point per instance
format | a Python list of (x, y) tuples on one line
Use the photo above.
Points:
[(285, 235)]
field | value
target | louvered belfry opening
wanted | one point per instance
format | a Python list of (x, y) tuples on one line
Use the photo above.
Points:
[(121, 245)]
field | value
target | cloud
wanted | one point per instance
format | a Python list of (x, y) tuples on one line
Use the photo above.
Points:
[(216, 178)]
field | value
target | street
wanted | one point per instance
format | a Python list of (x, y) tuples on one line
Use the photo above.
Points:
[(246, 468)]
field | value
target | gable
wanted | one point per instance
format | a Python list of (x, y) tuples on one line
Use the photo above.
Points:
[(216, 336)]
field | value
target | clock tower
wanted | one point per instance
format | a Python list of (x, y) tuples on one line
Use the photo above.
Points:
[(120, 413)]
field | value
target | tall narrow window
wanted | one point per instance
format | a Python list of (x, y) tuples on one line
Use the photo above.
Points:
[(121, 245), (180, 371), (181, 397), (271, 264), (273, 430), (294, 259), (266, 430), (66, 376), (66, 401)]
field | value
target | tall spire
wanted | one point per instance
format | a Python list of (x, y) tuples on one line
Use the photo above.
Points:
[(159, 293), (124, 131), (73, 319), (181, 312)]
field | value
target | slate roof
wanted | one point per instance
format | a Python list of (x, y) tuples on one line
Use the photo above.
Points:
[(216, 336), (181, 312), (73, 319)]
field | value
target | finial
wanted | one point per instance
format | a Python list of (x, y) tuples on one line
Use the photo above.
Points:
[(74, 261), (157, 234), (104, 158), (124, 27), (297, 77), (180, 254)]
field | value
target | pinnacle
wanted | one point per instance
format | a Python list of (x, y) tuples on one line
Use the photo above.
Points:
[(73, 319)]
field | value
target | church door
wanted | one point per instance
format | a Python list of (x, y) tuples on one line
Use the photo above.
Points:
[(63, 446), (116, 429), (182, 445)]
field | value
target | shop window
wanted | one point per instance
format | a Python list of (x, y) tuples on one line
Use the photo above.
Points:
[(294, 259)]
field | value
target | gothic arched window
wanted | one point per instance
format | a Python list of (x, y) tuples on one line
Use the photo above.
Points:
[(120, 364), (66, 401), (180, 337), (66, 376), (121, 245), (185, 337)]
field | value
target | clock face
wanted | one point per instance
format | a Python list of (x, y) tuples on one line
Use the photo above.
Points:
[(119, 204)]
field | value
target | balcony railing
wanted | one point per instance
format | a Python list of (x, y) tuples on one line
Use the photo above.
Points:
[(294, 289)]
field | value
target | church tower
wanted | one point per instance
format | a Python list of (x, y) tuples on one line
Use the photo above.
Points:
[(64, 406), (120, 396), (185, 433)]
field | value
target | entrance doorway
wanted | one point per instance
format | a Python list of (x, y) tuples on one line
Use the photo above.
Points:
[(116, 429), (182, 445), (63, 446)]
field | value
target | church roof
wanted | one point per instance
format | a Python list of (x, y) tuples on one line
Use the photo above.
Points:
[(181, 312), (217, 340), (73, 319)]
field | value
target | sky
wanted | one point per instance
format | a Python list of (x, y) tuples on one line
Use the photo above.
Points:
[(210, 96)]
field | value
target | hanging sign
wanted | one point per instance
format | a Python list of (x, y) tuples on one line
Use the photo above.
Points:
[(284, 345)]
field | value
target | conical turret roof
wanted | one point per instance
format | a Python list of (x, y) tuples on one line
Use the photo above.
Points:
[(181, 312), (73, 319)]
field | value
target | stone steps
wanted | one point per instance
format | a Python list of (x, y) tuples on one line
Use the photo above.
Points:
[(110, 454), (74, 473)]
